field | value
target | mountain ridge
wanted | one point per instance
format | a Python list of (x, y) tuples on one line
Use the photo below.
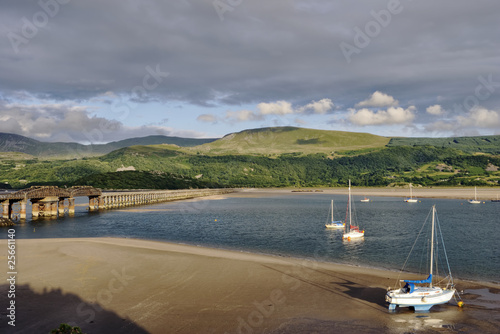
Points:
[(10, 142)]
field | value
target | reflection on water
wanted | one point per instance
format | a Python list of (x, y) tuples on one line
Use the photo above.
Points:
[(294, 225)]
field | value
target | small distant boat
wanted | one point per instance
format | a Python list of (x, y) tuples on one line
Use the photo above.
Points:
[(475, 200), (422, 298), (334, 223), (351, 231), (411, 199), (496, 200), (365, 200)]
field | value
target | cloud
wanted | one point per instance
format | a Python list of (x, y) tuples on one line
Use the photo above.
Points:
[(107, 50), (435, 110), (480, 117), (275, 108), (207, 118), (390, 116), (317, 107), (470, 123), (299, 121), (280, 108), (378, 100), (67, 122)]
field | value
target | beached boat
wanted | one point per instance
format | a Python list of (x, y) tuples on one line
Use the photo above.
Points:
[(334, 223), (410, 199), (351, 231), (423, 294), (475, 200), (365, 200)]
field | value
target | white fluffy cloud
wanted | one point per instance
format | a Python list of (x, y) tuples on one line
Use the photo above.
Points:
[(467, 124), (480, 117), (279, 108), (317, 107), (435, 110), (275, 108), (378, 100), (391, 116)]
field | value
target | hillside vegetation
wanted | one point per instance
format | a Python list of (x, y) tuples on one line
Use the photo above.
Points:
[(16, 143), (222, 164), (279, 140), (481, 144)]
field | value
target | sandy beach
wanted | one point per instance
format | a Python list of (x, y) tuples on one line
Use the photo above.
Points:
[(116, 285), (483, 193)]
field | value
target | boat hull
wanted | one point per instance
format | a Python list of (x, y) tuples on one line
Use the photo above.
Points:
[(410, 200), (353, 235), (421, 299), (473, 201), (334, 225)]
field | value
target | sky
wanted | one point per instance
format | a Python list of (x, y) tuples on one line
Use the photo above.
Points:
[(98, 71)]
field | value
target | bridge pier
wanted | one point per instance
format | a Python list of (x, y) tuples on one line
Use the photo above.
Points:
[(71, 206), (35, 208), (49, 206), (61, 207), (22, 213), (94, 202), (7, 209)]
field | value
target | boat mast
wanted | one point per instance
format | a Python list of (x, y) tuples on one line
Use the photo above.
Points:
[(350, 205), (411, 193), (332, 210), (432, 242)]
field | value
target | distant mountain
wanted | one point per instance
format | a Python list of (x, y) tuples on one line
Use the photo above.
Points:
[(15, 143), (279, 140)]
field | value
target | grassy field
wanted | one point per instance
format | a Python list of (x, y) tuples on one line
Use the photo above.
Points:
[(276, 141)]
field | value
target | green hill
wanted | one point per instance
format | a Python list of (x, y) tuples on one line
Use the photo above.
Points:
[(279, 140), (269, 157), (15, 143), (479, 144)]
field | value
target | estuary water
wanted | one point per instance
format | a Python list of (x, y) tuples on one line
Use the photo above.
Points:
[(293, 225)]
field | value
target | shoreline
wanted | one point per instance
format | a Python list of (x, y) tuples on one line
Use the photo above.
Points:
[(126, 285), (483, 193)]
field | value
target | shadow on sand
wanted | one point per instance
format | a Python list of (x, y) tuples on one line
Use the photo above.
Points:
[(41, 312), (369, 294)]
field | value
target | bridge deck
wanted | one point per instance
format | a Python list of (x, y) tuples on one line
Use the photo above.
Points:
[(54, 201)]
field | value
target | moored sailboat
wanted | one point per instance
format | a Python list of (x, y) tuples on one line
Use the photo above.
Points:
[(423, 294), (475, 200), (334, 223), (410, 199), (351, 231)]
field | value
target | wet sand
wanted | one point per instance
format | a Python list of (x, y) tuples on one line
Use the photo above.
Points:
[(116, 285)]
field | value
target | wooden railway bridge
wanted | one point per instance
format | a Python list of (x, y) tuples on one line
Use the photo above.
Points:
[(50, 201)]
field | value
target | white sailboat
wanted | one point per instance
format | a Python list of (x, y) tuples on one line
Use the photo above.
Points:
[(334, 223), (411, 199), (351, 231), (475, 200), (422, 297), (365, 200)]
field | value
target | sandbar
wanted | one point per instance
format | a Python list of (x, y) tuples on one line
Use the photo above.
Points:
[(483, 193), (122, 285)]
